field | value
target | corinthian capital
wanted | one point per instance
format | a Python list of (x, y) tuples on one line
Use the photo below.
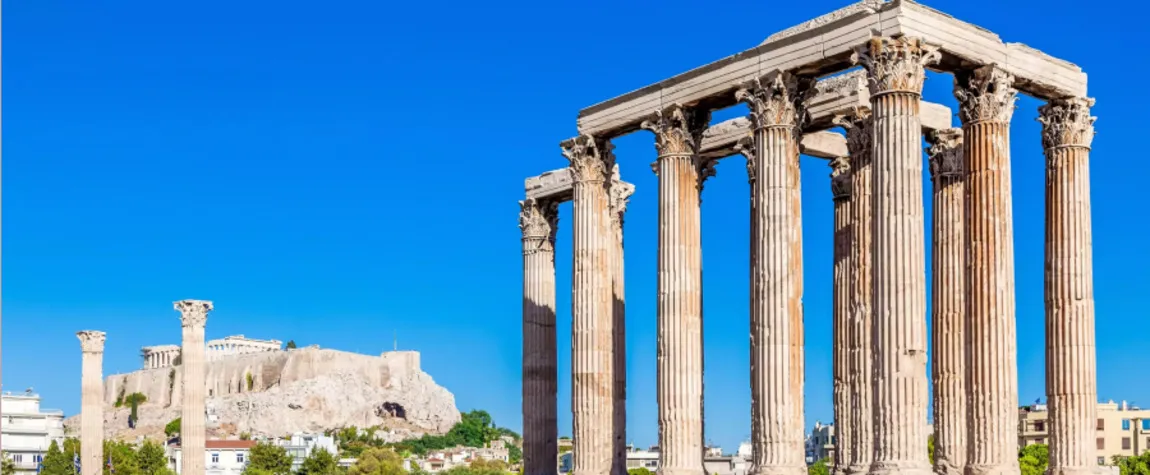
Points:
[(1067, 123), (746, 147), (896, 64), (91, 341), (678, 130), (193, 313), (858, 125), (840, 178), (777, 99), (945, 152), (986, 93), (620, 194), (539, 221), (591, 158)]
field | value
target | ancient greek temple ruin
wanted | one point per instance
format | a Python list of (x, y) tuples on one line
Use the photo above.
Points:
[(163, 356), (860, 69)]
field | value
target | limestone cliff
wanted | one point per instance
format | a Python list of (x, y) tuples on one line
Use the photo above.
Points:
[(280, 392)]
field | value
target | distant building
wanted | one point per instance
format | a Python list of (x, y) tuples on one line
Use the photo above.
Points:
[(1121, 429), (714, 462), (164, 356), (221, 457), (300, 446), (820, 443), (26, 431)]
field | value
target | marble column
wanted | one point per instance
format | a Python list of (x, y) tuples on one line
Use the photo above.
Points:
[(948, 297), (1071, 381), (193, 316), (777, 115), (592, 362), (986, 103), (620, 192), (91, 402), (841, 313), (539, 222), (859, 129), (895, 68), (681, 171)]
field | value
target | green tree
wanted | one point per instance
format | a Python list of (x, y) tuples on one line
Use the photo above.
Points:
[(1032, 459), (7, 467), (173, 427), (133, 401), (251, 381), (819, 468), (151, 458), (56, 462), (639, 471), (930, 448), (290, 344), (122, 456), (1137, 465), (378, 461), (320, 462), (271, 459), (514, 453)]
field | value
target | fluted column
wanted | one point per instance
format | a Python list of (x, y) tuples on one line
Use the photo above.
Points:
[(841, 318), (1071, 381), (193, 318), (859, 128), (539, 222), (776, 105), (986, 103), (678, 132), (895, 70), (592, 363), (91, 402), (948, 294), (620, 192)]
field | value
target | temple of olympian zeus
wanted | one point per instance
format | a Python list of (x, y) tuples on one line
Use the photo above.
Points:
[(792, 85), (193, 317)]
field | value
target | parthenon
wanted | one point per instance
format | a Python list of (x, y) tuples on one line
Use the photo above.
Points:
[(861, 69), (163, 356)]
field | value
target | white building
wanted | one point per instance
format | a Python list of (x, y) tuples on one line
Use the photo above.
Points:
[(221, 457), (301, 445), (820, 443), (26, 431)]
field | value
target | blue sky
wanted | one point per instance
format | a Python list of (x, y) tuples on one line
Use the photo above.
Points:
[(339, 172)]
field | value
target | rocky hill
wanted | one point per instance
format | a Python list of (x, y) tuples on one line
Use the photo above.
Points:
[(281, 392)]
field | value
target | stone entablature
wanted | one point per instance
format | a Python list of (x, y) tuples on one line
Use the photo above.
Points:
[(164, 356)]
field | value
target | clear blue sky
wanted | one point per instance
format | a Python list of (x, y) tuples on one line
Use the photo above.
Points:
[(334, 172)]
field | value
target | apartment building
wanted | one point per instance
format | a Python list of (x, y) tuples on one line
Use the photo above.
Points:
[(1122, 429), (28, 430)]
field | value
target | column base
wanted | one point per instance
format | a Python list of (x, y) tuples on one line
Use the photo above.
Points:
[(680, 471), (857, 470), (941, 467), (900, 468), (1004, 469), (777, 470), (1095, 470)]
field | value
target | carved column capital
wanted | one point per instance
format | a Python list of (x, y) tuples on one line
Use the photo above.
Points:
[(591, 158), (539, 221), (678, 130), (777, 99), (91, 341), (619, 194), (746, 147), (896, 64), (985, 93), (946, 153), (1067, 123), (193, 313), (840, 178), (859, 126)]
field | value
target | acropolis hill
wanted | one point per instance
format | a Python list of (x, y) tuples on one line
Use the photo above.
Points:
[(274, 392)]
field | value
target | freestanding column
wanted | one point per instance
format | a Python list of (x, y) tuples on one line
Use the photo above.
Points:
[(1071, 382), (948, 294), (91, 402), (620, 192), (859, 128), (775, 102), (841, 321), (193, 316), (986, 102), (678, 132), (539, 222), (592, 363), (895, 70)]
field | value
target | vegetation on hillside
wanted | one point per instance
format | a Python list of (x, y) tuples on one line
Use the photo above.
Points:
[(475, 429)]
